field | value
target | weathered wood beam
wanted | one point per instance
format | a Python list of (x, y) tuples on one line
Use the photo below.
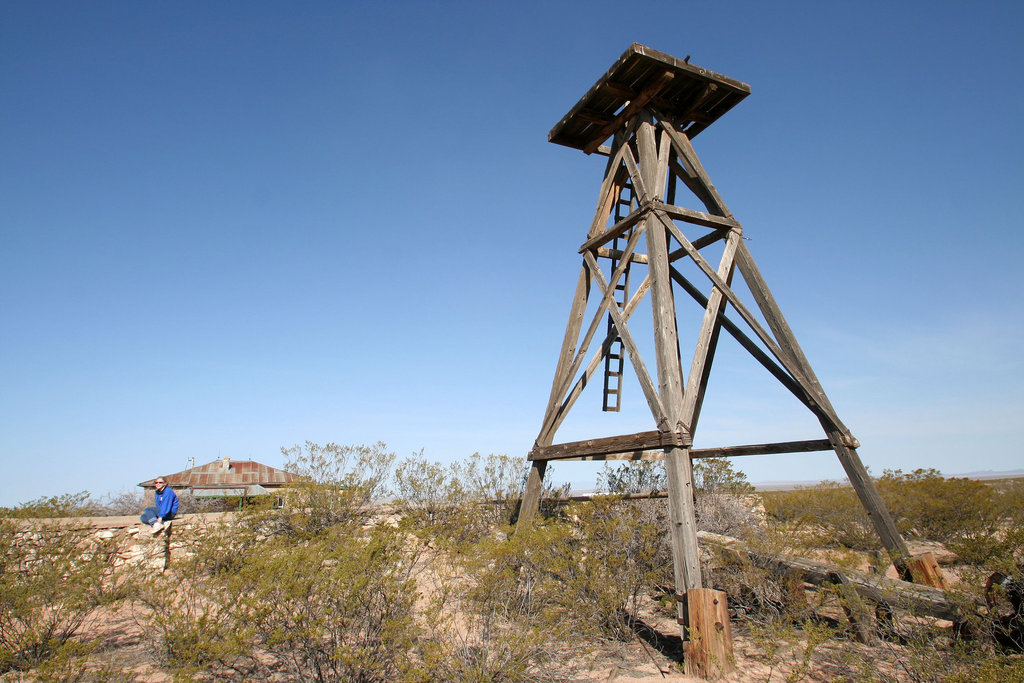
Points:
[(595, 361), (634, 106), (610, 445), (616, 230), (923, 600), (695, 170), (747, 343), (806, 446), (708, 220), (618, 255), (646, 385), (678, 467), (784, 359), (707, 340)]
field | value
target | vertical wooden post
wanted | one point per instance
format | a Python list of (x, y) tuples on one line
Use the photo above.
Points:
[(678, 468), (531, 497), (925, 570), (707, 652)]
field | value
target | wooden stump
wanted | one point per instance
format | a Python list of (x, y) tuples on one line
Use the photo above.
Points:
[(707, 647), (925, 571)]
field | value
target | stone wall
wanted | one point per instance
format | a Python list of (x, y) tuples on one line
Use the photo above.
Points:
[(128, 538)]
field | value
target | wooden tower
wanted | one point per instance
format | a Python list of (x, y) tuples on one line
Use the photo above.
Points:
[(652, 105)]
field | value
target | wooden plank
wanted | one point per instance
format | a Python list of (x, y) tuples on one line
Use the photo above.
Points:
[(925, 570), (922, 600), (626, 443), (614, 176), (607, 300), (595, 361), (568, 350), (694, 185), (531, 495), (747, 343), (616, 230), (618, 255), (707, 341), (688, 157), (766, 339), (696, 217), (869, 497), (806, 446), (634, 106), (639, 185)]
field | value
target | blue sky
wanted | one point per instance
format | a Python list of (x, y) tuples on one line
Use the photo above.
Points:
[(231, 227)]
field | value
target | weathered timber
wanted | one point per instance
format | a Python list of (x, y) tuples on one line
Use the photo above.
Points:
[(646, 385), (860, 618), (869, 497), (696, 217), (678, 467), (783, 334), (925, 571), (707, 341), (530, 503), (618, 255), (634, 106), (638, 66), (595, 362), (614, 231), (694, 169), (807, 446), (610, 445), (784, 359), (707, 647), (921, 600)]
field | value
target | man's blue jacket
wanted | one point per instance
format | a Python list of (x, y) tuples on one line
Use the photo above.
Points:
[(166, 503)]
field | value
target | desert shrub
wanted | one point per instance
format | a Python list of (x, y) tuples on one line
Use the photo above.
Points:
[(606, 560), (335, 606), (46, 507), (118, 504), (51, 581), (495, 613), (337, 487), (632, 478), (965, 515), (462, 502), (720, 491), (829, 515)]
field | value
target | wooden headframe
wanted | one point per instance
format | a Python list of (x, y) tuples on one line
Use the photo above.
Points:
[(652, 105)]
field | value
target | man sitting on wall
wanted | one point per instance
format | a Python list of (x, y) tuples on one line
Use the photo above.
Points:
[(159, 517)]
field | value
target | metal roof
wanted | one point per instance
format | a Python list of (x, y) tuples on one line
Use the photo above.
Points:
[(227, 473)]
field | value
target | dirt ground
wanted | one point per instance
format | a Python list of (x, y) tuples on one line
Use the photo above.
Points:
[(654, 656)]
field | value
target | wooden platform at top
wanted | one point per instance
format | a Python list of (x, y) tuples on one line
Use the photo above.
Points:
[(693, 97)]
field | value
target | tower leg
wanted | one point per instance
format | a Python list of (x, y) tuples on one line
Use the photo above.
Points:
[(531, 497)]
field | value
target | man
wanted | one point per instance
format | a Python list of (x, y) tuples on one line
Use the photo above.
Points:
[(160, 516)]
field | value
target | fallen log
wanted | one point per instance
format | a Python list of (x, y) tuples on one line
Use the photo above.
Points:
[(889, 593)]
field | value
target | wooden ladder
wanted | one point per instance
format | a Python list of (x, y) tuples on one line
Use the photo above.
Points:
[(614, 360)]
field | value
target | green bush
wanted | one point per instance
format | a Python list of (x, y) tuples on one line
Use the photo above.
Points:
[(51, 581)]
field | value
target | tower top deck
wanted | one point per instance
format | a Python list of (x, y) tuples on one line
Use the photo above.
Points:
[(691, 96)]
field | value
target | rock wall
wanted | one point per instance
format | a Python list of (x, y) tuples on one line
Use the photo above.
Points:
[(129, 539)]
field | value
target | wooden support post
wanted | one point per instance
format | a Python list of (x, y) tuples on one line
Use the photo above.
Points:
[(924, 569), (678, 468), (531, 497), (707, 650)]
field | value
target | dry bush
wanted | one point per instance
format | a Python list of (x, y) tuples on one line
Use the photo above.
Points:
[(51, 581)]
